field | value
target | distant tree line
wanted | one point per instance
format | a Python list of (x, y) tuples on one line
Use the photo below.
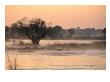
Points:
[(36, 29)]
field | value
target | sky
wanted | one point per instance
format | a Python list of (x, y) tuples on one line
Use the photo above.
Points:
[(67, 16)]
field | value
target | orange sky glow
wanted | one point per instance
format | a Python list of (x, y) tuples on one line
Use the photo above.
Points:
[(67, 16)]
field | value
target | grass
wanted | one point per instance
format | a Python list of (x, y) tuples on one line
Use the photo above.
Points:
[(94, 45), (12, 65), (60, 46)]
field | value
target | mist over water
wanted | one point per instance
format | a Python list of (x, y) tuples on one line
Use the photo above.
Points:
[(58, 56)]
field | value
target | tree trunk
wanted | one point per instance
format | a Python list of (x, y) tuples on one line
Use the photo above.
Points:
[(35, 42)]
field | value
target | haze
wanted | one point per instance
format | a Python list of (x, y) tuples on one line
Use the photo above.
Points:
[(67, 16)]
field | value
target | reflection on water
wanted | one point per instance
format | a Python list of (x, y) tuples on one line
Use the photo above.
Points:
[(40, 59)]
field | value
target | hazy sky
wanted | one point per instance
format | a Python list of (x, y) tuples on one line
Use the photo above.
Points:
[(65, 16)]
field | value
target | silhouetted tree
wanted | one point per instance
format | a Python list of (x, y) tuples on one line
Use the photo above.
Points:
[(35, 29)]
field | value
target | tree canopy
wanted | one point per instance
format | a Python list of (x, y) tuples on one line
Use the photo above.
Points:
[(35, 29)]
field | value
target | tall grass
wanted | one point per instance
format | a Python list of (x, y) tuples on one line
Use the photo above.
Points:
[(57, 45), (12, 63), (94, 45)]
